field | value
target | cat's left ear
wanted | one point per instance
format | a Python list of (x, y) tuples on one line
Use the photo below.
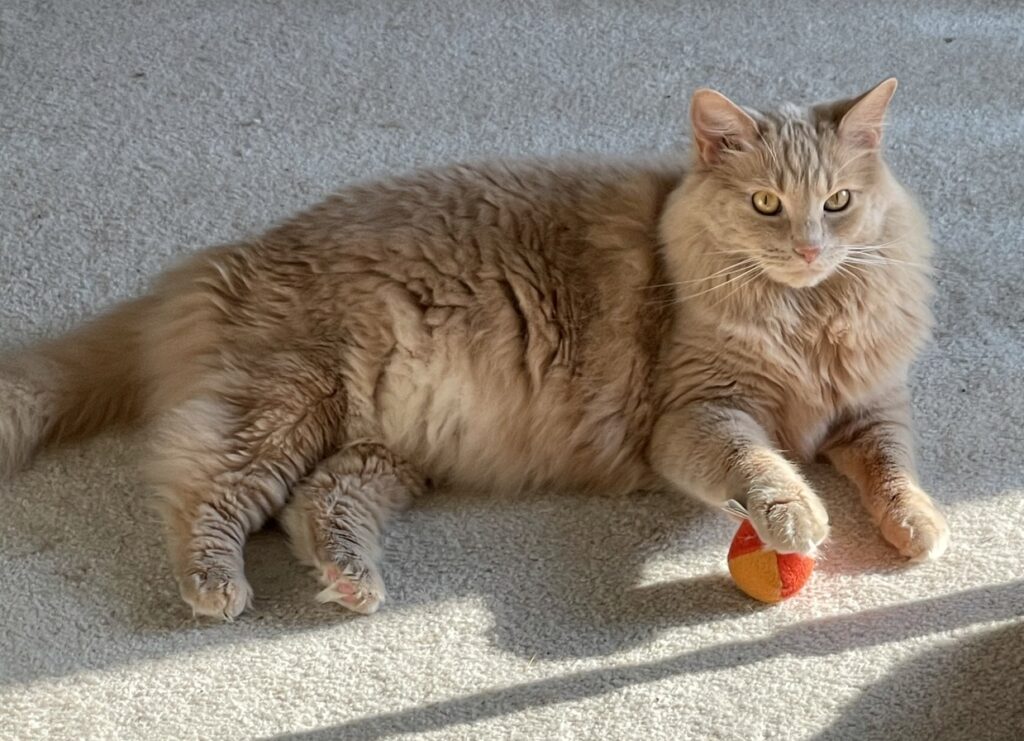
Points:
[(861, 120)]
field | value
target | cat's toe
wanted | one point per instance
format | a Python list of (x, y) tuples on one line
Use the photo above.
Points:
[(788, 519), (356, 585), (217, 595), (915, 527)]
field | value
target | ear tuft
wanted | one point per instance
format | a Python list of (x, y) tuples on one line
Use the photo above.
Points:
[(719, 124)]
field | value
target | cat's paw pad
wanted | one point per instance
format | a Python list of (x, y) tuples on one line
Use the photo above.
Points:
[(788, 519), (216, 594), (354, 584), (914, 526)]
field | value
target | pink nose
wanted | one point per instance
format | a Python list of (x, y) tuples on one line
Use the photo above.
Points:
[(809, 252)]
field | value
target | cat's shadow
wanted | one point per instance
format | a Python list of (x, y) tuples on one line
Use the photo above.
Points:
[(568, 576), (562, 575)]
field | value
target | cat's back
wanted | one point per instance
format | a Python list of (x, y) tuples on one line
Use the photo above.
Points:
[(528, 203)]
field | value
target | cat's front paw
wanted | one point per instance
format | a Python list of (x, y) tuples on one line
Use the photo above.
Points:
[(913, 524), (788, 518)]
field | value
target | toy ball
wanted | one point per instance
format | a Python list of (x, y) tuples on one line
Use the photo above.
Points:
[(762, 573)]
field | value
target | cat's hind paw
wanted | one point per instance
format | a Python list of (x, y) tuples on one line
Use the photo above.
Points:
[(355, 585), (216, 594)]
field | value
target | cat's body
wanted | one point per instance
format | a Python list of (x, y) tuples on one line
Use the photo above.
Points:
[(519, 334), (569, 324)]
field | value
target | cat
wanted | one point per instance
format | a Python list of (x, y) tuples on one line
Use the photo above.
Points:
[(700, 324)]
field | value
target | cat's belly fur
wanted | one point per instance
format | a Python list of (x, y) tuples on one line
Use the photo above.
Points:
[(479, 422)]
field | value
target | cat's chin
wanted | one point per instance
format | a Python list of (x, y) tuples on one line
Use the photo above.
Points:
[(807, 278)]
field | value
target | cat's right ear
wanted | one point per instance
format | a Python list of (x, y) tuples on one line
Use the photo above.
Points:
[(719, 124)]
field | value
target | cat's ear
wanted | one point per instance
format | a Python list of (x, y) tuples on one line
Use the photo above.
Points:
[(861, 120), (719, 124)]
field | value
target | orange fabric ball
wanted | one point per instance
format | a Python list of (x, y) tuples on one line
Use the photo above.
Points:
[(762, 573)]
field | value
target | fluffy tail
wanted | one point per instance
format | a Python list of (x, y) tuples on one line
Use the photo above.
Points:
[(73, 387)]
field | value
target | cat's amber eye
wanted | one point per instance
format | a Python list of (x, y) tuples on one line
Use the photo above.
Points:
[(838, 200), (766, 202)]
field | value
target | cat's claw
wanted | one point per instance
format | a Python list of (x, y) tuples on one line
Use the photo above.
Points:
[(788, 519), (356, 586)]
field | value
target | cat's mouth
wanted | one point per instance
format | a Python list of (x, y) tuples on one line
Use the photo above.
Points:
[(801, 275)]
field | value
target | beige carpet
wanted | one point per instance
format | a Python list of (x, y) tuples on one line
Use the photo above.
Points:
[(133, 133)]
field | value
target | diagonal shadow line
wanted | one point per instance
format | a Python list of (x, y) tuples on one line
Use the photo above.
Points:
[(967, 690), (821, 637)]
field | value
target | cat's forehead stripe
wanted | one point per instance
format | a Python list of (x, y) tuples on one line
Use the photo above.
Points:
[(795, 152)]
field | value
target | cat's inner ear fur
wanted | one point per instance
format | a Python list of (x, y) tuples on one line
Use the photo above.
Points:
[(719, 124), (860, 121)]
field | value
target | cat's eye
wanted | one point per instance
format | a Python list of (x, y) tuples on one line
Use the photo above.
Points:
[(766, 202), (838, 200)]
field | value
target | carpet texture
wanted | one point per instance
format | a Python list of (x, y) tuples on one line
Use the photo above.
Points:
[(134, 133)]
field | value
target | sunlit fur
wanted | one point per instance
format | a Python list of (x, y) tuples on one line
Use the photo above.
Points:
[(569, 324), (800, 159)]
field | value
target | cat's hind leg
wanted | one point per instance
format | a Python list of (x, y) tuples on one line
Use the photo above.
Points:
[(336, 517), (224, 463)]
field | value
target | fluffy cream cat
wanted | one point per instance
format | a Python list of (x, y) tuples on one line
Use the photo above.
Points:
[(567, 324)]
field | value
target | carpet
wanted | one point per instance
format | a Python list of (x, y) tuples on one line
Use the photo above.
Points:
[(134, 133)]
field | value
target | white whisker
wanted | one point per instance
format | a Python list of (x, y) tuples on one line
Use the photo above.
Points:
[(741, 286), (745, 272), (849, 272), (723, 271), (883, 260), (871, 247)]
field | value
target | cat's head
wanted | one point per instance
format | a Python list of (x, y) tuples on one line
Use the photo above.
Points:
[(794, 191)]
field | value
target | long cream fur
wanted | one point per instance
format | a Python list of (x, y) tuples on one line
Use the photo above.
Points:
[(593, 325)]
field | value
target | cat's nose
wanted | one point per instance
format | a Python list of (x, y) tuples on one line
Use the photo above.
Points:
[(808, 251)]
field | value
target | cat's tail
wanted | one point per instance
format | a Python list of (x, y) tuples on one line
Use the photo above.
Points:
[(73, 387)]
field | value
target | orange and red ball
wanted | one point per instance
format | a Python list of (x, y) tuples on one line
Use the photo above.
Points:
[(764, 574)]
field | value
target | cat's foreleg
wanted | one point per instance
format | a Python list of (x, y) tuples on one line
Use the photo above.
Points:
[(336, 517), (718, 453), (873, 446)]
